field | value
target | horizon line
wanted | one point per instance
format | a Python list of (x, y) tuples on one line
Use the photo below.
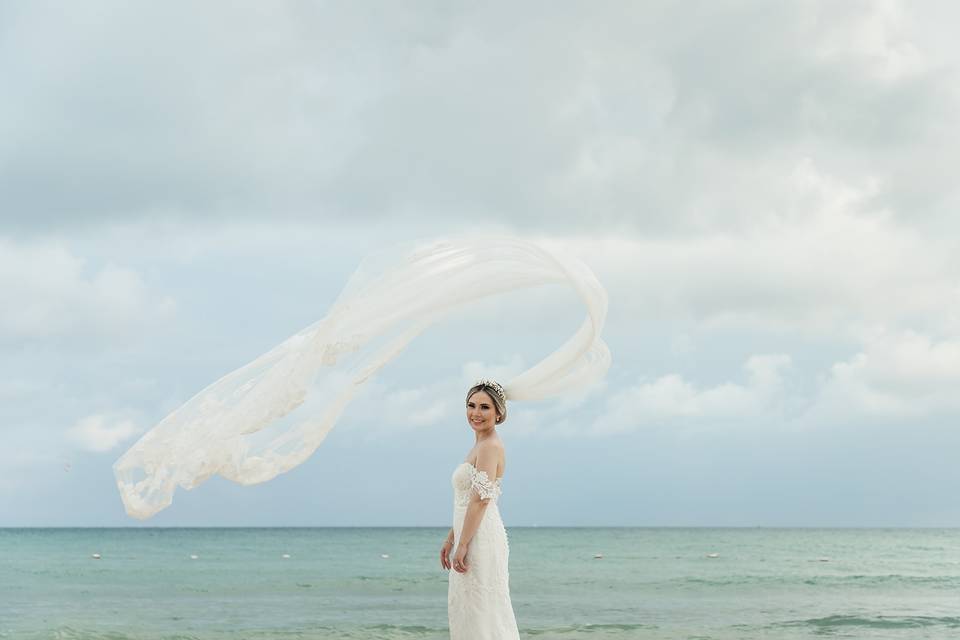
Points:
[(444, 526)]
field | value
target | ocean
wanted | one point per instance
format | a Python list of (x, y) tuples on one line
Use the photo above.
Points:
[(387, 583)]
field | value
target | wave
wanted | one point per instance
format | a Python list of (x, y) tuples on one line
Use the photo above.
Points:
[(72, 633), (862, 580), (896, 579), (873, 622), (378, 631), (577, 629)]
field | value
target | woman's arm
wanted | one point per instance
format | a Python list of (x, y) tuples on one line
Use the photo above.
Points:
[(480, 493), (471, 521), (445, 550)]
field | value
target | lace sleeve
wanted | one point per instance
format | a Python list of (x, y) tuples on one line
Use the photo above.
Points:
[(483, 485)]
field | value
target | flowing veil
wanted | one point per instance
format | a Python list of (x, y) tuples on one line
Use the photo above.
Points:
[(270, 415)]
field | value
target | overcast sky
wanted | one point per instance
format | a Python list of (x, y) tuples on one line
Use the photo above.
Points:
[(768, 190)]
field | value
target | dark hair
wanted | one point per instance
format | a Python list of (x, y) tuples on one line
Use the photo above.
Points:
[(499, 403)]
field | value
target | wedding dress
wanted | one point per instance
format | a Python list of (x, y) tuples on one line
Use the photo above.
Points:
[(478, 601)]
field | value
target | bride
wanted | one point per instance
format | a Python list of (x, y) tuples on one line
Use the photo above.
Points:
[(478, 596), (270, 415)]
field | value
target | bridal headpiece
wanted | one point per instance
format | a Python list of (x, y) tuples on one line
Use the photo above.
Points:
[(270, 415), (493, 384)]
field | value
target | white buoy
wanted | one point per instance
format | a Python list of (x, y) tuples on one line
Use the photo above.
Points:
[(384, 555), (286, 555), (193, 556), (713, 555), (95, 556)]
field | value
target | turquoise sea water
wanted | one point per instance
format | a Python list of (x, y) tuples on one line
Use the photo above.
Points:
[(650, 583)]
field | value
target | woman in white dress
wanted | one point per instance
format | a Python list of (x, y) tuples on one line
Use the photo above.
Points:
[(478, 595)]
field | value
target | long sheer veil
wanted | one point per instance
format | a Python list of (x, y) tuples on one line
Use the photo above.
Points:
[(270, 415)]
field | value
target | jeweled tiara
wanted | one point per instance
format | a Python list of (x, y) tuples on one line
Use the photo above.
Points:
[(493, 384)]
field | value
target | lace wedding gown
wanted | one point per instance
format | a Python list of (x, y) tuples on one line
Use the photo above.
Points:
[(478, 601)]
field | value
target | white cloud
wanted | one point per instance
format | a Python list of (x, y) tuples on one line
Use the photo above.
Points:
[(99, 433), (900, 375), (671, 398), (897, 375), (49, 292), (827, 265), (415, 407), (644, 117), (501, 372), (881, 39)]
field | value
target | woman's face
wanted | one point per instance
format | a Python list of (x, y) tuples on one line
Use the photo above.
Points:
[(481, 412)]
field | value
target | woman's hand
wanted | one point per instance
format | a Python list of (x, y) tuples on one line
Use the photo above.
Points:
[(460, 564), (445, 553)]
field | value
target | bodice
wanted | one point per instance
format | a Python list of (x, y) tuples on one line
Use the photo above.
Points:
[(466, 477)]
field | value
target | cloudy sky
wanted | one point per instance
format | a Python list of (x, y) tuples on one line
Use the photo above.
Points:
[(767, 190)]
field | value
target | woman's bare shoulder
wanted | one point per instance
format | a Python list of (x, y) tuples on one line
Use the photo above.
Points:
[(492, 445), (493, 450)]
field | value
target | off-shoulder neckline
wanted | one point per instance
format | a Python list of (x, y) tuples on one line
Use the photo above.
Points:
[(498, 478)]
